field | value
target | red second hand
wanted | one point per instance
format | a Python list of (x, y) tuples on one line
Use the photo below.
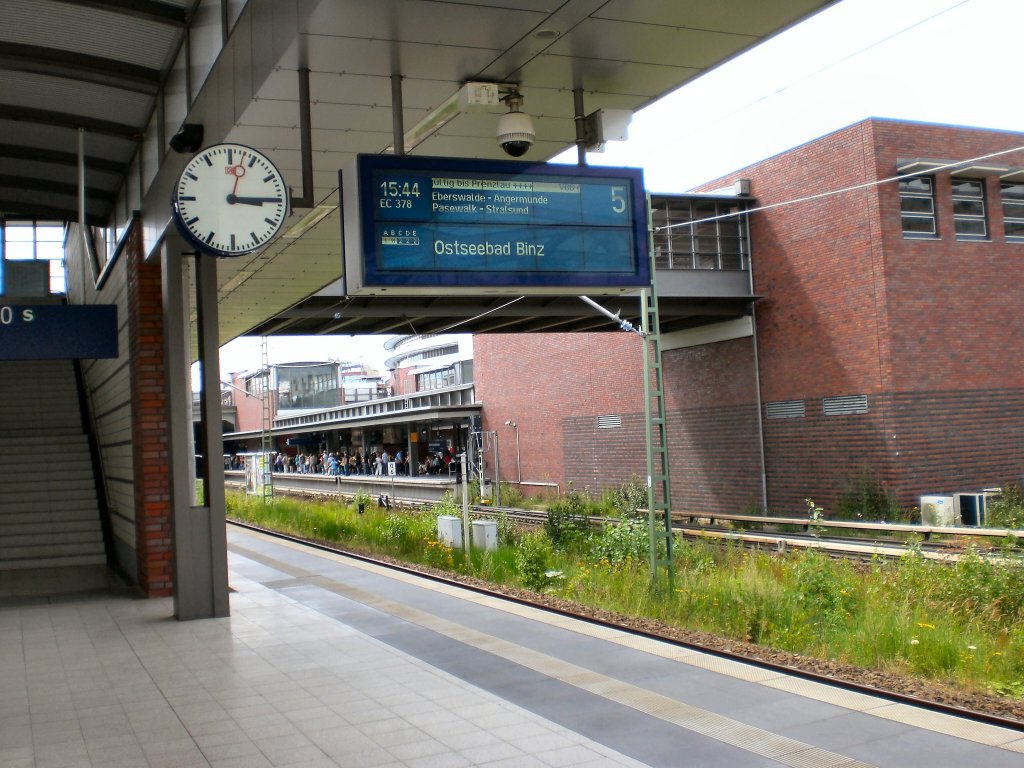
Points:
[(238, 171)]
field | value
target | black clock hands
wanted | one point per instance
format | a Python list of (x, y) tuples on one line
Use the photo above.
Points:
[(233, 199)]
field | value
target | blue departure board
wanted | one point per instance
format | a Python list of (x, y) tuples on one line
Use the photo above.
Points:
[(57, 331), (437, 222)]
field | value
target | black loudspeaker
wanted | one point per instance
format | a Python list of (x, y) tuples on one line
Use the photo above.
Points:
[(188, 139)]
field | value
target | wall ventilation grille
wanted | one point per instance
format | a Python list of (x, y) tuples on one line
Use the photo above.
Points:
[(609, 422), (785, 409), (846, 405)]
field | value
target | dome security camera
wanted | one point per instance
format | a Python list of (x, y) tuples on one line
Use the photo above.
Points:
[(516, 133)]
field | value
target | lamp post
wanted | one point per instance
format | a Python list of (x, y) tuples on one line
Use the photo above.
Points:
[(519, 468)]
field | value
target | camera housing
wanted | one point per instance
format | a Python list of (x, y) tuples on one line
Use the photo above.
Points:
[(516, 133)]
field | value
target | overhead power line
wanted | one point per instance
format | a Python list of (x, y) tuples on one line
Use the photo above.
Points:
[(842, 191)]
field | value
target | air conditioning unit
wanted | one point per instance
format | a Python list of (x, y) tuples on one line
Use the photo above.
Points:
[(937, 511), (971, 508)]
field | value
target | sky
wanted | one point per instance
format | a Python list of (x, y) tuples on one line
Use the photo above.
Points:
[(955, 62)]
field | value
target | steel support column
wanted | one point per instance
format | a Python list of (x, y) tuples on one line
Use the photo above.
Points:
[(200, 537)]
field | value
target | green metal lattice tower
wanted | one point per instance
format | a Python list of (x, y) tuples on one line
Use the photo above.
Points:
[(659, 499), (265, 462)]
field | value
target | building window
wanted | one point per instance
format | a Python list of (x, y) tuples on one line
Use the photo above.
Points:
[(415, 357), (1013, 211), (969, 209), (256, 385), (699, 233), (439, 379), (308, 386), (36, 241), (917, 207)]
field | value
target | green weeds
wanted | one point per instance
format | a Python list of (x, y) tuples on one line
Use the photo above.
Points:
[(961, 623), (1007, 509)]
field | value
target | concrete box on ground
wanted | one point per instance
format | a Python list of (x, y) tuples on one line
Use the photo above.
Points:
[(485, 534), (449, 531)]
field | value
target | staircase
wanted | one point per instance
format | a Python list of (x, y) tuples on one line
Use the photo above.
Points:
[(49, 514)]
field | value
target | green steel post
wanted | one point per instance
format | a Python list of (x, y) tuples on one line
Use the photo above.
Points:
[(265, 465), (659, 503)]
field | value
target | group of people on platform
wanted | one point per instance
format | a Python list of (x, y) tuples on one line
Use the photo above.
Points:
[(349, 462), (345, 462), (439, 463)]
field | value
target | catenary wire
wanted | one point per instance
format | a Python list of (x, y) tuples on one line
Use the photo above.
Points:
[(842, 191), (477, 317)]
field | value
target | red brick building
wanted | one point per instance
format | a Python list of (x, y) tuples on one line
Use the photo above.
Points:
[(885, 343)]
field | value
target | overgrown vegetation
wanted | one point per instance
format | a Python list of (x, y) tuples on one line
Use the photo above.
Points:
[(1007, 509), (961, 623), (567, 518), (865, 497)]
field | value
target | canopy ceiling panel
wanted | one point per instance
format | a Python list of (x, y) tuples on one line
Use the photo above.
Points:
[(88, 100), (145, 35), (98, 65), (623, 54)]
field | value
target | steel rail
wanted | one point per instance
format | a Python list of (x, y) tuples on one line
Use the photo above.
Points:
[(834, 546)]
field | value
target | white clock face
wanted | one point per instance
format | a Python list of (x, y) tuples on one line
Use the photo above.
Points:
[(230, 200)]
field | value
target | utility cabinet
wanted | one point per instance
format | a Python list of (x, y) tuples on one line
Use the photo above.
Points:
[(449, 531), (485, 534)]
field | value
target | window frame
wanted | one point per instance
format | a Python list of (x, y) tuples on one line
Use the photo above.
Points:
[(960, 218), (907, 194), (1009, 221), (721, 244)]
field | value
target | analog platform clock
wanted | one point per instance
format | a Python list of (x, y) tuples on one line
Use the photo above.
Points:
[(230, 200)]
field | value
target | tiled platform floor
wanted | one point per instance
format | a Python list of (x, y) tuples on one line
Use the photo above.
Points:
[(114, 681), (330, 662)]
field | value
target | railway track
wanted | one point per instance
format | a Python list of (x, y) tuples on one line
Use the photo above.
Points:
[(828, 677), (851, 547), (874, 539)]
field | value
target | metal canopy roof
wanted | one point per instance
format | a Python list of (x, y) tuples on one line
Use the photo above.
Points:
[(65, 66), (503, 314), (102, 65)]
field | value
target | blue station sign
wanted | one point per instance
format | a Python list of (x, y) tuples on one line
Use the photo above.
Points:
[(427, 222), (57, 331)]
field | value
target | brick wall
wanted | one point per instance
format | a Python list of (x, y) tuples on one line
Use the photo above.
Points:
[(929, 330), (403, 380), (915, 443), (149, 422), (714, 445), (249, 409), (925, 328), (558, 384), (954, 306), (817, 265), (552, 385)]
